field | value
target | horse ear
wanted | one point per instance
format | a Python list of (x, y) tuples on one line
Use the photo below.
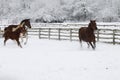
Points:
[(28, 19), (90, 20), (94, 21)]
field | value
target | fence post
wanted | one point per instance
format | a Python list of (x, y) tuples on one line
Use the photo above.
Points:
[(0, 33), (70, 34), (39, 33), (59, 33), (114, 36), (49, 33)]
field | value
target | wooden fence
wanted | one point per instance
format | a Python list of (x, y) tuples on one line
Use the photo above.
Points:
[(102, 35), (55, 33), (108, 36), (105, 33)]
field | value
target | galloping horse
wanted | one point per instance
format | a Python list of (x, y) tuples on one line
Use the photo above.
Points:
[(87, 34), (14, 32)]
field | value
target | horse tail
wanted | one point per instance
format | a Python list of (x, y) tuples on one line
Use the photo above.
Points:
[(80, 38), (5, 29), (3, 34)]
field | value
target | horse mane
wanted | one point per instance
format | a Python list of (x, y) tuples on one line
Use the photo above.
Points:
[(90, 25), (20, 25), (24, 20)]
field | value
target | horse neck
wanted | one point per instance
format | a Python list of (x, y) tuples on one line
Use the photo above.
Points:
[(25, 25), (15, 29), (18, 31), (90, 30), (18, 26)]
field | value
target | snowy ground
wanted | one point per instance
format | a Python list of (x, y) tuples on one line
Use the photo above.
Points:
[(58, 60)]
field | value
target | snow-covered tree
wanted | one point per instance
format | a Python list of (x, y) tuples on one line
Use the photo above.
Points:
[(60, 10)]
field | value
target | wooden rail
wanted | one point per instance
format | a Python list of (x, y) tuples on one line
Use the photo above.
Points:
[(102, 35), (54, 33)]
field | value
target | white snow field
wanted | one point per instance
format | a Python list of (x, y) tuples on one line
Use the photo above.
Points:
[(58, 60)]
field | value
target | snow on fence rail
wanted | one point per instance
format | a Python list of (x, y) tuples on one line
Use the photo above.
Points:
[(109, 33)]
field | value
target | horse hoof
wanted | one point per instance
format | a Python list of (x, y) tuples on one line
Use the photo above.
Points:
[(93, 48), (25, 43)]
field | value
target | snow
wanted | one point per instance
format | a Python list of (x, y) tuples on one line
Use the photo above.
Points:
[(58, 60)]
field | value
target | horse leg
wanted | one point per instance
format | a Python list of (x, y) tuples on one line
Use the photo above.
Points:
[(5, 41), (88, 44), (21, 38), (91, 45), (94, 44), (80, 40), (18, 42), (94, 41), (26, 35)]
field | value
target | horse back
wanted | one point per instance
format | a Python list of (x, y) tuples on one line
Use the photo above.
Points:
[(82, 31), (10, 27), (8, 30)]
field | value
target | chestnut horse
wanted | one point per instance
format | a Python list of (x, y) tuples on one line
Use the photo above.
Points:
[(14, 32), (87, 34)]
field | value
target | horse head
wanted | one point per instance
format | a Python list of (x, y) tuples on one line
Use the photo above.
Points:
[(26, 23), (93, 25)]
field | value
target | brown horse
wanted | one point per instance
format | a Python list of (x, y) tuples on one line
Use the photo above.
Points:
[(87, 34), (14, 32)]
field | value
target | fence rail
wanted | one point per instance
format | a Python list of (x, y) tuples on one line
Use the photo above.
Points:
[(54, 33), (102, 35)]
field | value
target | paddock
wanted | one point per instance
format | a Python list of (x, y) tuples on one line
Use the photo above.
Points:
[(55, 54), (43, 59)]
